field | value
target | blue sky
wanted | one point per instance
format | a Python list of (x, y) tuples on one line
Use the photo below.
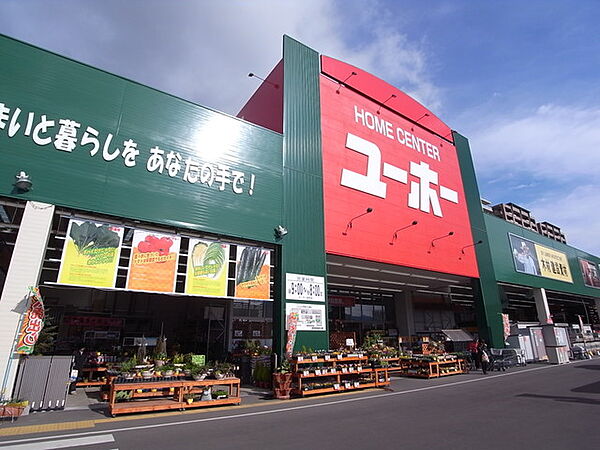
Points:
[(520, 79)]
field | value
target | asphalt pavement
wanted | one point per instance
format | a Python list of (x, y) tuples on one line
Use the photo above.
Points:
[(539, 406)]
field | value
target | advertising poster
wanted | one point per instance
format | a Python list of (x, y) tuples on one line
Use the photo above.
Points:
[(589, 270), (253, 273), (32, 323), (91, 254), (207, 268), (535, 259), (310, 317), (153, 263)]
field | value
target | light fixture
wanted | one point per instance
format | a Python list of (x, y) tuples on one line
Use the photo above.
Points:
[(431, 245), (337, 91), (417, 121), (388, 99), (23, 182), (280, 231), (462, 250), (413, 223), (276, 86), (349, 226)]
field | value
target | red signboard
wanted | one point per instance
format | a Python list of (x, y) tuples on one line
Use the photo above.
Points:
[(392, 172)]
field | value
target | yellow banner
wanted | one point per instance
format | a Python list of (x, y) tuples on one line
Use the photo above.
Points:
[(207, 268), (553, 264), (90, 254), (153, 263)]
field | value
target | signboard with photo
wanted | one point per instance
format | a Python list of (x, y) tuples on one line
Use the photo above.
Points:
[(310, 317), (91, 254), (535, 259), (153, 263), (207, 268), (591, 275)]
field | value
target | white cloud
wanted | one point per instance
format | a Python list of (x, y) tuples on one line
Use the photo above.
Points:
[(550, 161), (554, 141), (203, 51), (579, 210)]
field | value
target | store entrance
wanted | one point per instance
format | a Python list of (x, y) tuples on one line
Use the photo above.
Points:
[(114, 322)]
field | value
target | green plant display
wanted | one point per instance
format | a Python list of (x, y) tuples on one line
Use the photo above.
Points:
[(89, 236)]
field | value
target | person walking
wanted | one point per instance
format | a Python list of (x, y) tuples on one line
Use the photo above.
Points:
[(79, 360), (472, 348), (483, 355)]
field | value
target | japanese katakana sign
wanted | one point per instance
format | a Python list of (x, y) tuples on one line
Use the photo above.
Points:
[(376, 160)]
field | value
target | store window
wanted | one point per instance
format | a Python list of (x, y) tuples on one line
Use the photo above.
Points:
[(116, 318)]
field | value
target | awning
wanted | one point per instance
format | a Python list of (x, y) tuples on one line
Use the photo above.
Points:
[(458, 335)]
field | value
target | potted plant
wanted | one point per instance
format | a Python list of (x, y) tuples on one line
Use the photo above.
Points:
[(168, 370), (189, 398), (282, 381), (198, 373), (220, 394), (13, 408), (160, 359)]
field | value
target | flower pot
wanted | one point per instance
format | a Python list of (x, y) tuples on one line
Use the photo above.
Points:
[(199, 377), (282, 394), (169, 373), (11, 411)]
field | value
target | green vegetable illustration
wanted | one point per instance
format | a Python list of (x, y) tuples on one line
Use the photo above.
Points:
[(89, 236), (251, 262), (213, 255)]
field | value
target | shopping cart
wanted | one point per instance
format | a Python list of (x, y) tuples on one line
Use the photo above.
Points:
[(503, 358)]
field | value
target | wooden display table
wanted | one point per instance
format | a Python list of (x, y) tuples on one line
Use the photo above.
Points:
[(312, 376), (165, 395), (93, 373), (429, 369)]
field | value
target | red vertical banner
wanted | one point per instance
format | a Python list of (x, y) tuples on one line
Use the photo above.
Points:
[(32, 324), (506, 325), (291, 333)]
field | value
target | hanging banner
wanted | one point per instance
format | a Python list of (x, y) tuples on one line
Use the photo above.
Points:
[(506, 326), (153, 263), (207, 268), (535, 259), (32, 324), (292, 322), (91, 254), (252, 275)]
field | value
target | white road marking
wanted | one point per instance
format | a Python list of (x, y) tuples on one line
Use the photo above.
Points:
[(291, 408), (64, 443)]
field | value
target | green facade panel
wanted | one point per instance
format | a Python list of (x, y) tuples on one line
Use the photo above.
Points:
[(488, 306), (504, 266), (225, 174), (303, 249)]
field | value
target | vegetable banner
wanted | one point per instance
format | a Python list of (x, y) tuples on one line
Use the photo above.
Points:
[(153, 262), (207, 268), (253, 273), (90, 254), (32, 324)]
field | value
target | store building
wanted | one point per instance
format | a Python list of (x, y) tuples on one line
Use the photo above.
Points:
[(332, 194)]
